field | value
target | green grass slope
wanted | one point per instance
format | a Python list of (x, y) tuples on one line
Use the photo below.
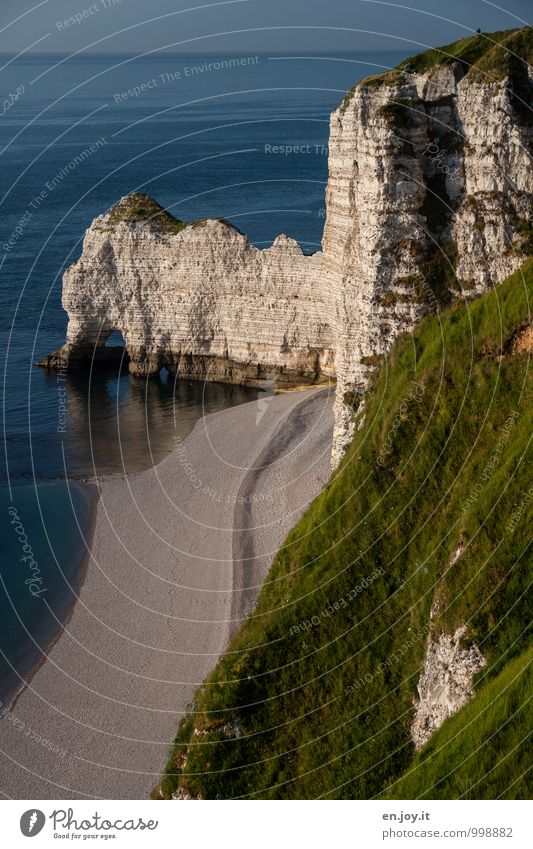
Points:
[(314, 698), (490, 53), (487, 57)]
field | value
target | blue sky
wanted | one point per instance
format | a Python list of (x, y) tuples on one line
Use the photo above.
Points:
[(247, 25)]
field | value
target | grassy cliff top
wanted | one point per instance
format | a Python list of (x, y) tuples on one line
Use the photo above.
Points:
[(489, 56), (489, 52), (138, 208)]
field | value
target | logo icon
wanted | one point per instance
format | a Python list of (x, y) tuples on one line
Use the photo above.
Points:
[(268, 387), (32, 822)]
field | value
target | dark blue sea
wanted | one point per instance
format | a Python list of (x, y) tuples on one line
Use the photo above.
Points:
[(205, 136)]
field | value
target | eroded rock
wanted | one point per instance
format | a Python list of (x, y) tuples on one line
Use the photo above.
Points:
[(445, 683)]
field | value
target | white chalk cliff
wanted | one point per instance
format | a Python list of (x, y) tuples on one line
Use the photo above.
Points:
[(198, 299), (428, 199)]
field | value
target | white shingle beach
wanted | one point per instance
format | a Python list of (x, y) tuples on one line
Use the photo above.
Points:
[(177, 558)]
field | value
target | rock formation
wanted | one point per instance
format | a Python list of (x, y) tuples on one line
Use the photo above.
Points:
[(445, 683), (428, 199), (197, 298)]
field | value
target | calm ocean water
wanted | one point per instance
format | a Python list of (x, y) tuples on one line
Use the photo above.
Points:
[(199, 134), (44, 541)]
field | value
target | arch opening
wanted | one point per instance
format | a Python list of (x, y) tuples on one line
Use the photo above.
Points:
[(115, 339)]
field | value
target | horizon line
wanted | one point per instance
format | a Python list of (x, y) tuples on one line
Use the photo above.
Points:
[(75, 54)]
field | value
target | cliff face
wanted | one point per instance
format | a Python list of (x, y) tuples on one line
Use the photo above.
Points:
[(198, 299), (428, 200)]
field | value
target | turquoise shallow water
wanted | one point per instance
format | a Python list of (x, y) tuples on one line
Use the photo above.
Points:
[(45, 532)]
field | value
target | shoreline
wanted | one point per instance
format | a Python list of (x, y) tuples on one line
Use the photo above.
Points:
[(9, 704), (294, 389), (94, 482), (165, 590)]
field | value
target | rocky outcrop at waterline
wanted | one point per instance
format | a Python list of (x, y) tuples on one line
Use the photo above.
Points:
[(198, 299)]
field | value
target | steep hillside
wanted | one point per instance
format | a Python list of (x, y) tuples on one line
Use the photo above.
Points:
[(410, 569)]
